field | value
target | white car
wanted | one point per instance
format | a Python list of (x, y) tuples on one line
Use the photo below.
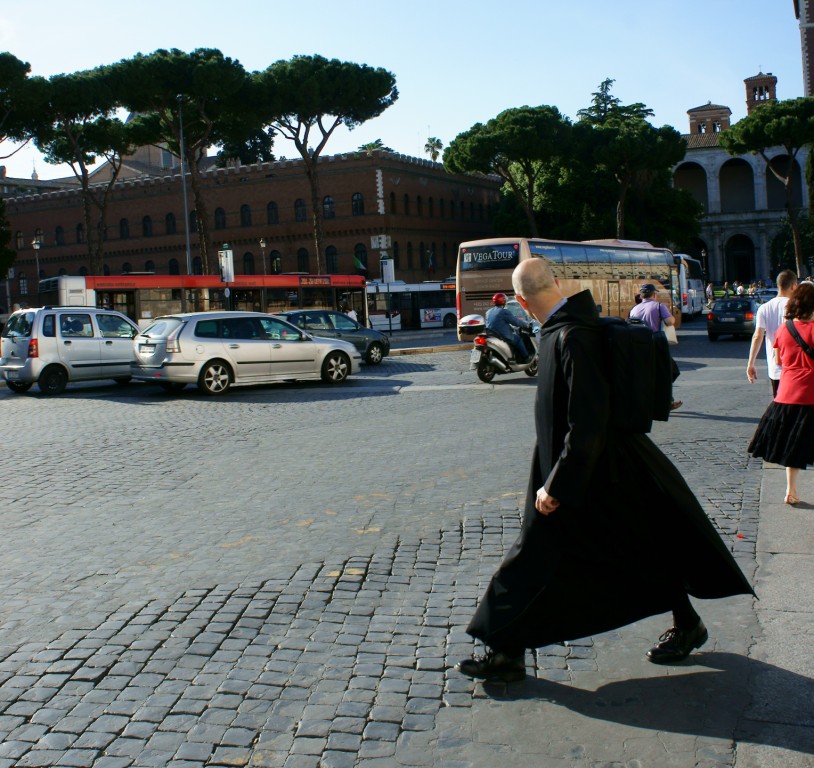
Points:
[(216, 350), (54, 345)]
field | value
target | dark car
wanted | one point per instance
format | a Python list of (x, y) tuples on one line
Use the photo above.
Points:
[(337, 325), (733, 315)]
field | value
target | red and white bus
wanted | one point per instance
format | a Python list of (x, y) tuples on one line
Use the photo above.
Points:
[(398, 305)]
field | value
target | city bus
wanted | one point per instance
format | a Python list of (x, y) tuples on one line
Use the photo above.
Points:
[(613, 270), (399, 305), (690, 285), (143, 297)]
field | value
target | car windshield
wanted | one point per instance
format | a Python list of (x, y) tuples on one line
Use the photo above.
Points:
[(162, 327), (19, 324), (733, 306)]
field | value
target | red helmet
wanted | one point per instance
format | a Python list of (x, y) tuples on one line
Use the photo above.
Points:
[(499, 299)]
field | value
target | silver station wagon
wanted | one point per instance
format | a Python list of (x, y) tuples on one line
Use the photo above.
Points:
[(216, 350)]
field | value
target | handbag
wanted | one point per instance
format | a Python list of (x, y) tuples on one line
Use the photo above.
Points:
[(795, 334), (670, 333)]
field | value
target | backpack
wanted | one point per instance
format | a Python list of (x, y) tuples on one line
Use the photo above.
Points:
[(640, 374)]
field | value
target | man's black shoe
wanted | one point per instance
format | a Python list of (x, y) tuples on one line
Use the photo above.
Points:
[(494, 666), (676, 644)]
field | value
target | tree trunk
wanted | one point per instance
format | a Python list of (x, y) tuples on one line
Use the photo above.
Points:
[(201, 213), (620, 212), (316, 209)]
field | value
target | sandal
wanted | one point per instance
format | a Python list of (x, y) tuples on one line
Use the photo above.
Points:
[(676, 404), (791, 500)]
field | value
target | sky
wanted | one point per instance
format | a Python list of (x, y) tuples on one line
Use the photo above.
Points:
[(456, 63)]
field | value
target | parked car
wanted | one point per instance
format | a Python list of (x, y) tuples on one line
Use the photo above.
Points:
[(733, 315), (216, 350), (766, 294), (330, 324), (51, 346)]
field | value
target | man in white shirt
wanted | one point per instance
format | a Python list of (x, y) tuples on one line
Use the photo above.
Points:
[(770, 316)]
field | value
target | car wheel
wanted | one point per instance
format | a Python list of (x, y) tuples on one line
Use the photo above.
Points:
[(215, 378), (19, 386), (123, 379), (171, 386), (335, 368), (712, 336), (375, 353), (449, 320), (53, 380), (486, 371)]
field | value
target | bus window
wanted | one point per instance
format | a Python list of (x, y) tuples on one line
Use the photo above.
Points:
[(498, 256)]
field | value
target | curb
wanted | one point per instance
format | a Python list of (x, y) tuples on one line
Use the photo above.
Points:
[(424, 350)]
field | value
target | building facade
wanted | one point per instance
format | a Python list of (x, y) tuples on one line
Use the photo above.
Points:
[(264, 212), (744, 203)]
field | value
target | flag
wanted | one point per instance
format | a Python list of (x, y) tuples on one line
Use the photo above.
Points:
[(430, 262)]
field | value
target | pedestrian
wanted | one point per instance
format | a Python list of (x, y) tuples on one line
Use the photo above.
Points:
[(785, 433), (350, 312), (727, 290), (768, 318), (710, 295), (611, 532), (653, 313), (740, 290)]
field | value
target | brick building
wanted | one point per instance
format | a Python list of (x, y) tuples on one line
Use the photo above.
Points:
[(425, 211)]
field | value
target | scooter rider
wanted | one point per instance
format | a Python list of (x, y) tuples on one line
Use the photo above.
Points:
[(503, 323)]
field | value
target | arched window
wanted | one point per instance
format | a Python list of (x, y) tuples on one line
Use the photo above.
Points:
[(272, 213), (328, 210), (106, 270), (193, 221), (20, 240), (331, 260), (248, 263), (59, 236), (146, 227), (174, 267), (83, 271), (392, 202), (406, 204), (276, 262), (149, 265), (245, 217), (124, 229), (360, 259), (220, 218), (409, 255), (170, 224), (126, 268), (395, 256), (419, 204), (357, 204), (299, 210), (197, 266), (430, 207), (303, 260)]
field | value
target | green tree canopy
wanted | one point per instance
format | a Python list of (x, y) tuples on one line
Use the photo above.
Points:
[(21, 101), (211, 94), (308, 97), (788, 124), (372, 146), (518, 146), (433, 147)]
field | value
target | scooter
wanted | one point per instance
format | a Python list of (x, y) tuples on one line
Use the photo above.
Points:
[(491, 355)]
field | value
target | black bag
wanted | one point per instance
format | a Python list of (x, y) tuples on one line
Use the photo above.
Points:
[(640, 374)]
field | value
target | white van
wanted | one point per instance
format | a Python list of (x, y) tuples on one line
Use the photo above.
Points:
[(51, 346)]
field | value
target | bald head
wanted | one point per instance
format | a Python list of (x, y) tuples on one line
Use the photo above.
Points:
[(531, 277)]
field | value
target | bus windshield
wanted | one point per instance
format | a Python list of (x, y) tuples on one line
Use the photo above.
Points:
[(497, 256)]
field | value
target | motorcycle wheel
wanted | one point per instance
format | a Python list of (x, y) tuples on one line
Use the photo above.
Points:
[(486, 371), (533, 368)]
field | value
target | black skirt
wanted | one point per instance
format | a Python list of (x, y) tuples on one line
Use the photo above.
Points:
[(785, 435)]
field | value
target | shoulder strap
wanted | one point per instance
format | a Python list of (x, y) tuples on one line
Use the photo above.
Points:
[(798, 338)]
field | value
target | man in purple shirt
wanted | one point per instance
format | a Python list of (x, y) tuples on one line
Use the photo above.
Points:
[(653, 313)]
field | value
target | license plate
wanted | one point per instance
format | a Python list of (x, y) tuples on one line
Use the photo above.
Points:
[(11, 375), (146, 347), (474, 358), (727, 319)]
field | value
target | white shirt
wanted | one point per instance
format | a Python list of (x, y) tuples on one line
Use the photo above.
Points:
[(770, 316)]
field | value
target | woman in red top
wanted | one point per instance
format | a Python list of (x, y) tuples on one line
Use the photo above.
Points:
[(785, 434)]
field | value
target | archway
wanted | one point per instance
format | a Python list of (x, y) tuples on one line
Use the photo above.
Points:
[(737, 184), (739, 259), (693, 178), (775, 191)]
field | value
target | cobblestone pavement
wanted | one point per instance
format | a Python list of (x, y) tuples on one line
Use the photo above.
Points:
[(281, 577)]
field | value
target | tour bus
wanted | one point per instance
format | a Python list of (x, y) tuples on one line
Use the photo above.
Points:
[(398, 305), (613, 270), (143, 297), (690, 285)]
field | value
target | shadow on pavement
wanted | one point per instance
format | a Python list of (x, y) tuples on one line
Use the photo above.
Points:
[(712, 701)]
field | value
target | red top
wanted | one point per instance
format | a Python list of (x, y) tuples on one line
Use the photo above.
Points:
[(797, 376)]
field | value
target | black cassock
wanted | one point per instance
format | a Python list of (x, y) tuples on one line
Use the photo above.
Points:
[(628, 534)]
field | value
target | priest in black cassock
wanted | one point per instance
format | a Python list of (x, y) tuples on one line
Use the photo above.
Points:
[(611, 532)]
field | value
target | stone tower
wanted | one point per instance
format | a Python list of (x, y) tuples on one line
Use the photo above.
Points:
[(804, 11), (760, 88)]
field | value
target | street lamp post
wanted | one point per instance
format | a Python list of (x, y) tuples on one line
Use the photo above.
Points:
[(36, 244), (184, 182), (263, 253)]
